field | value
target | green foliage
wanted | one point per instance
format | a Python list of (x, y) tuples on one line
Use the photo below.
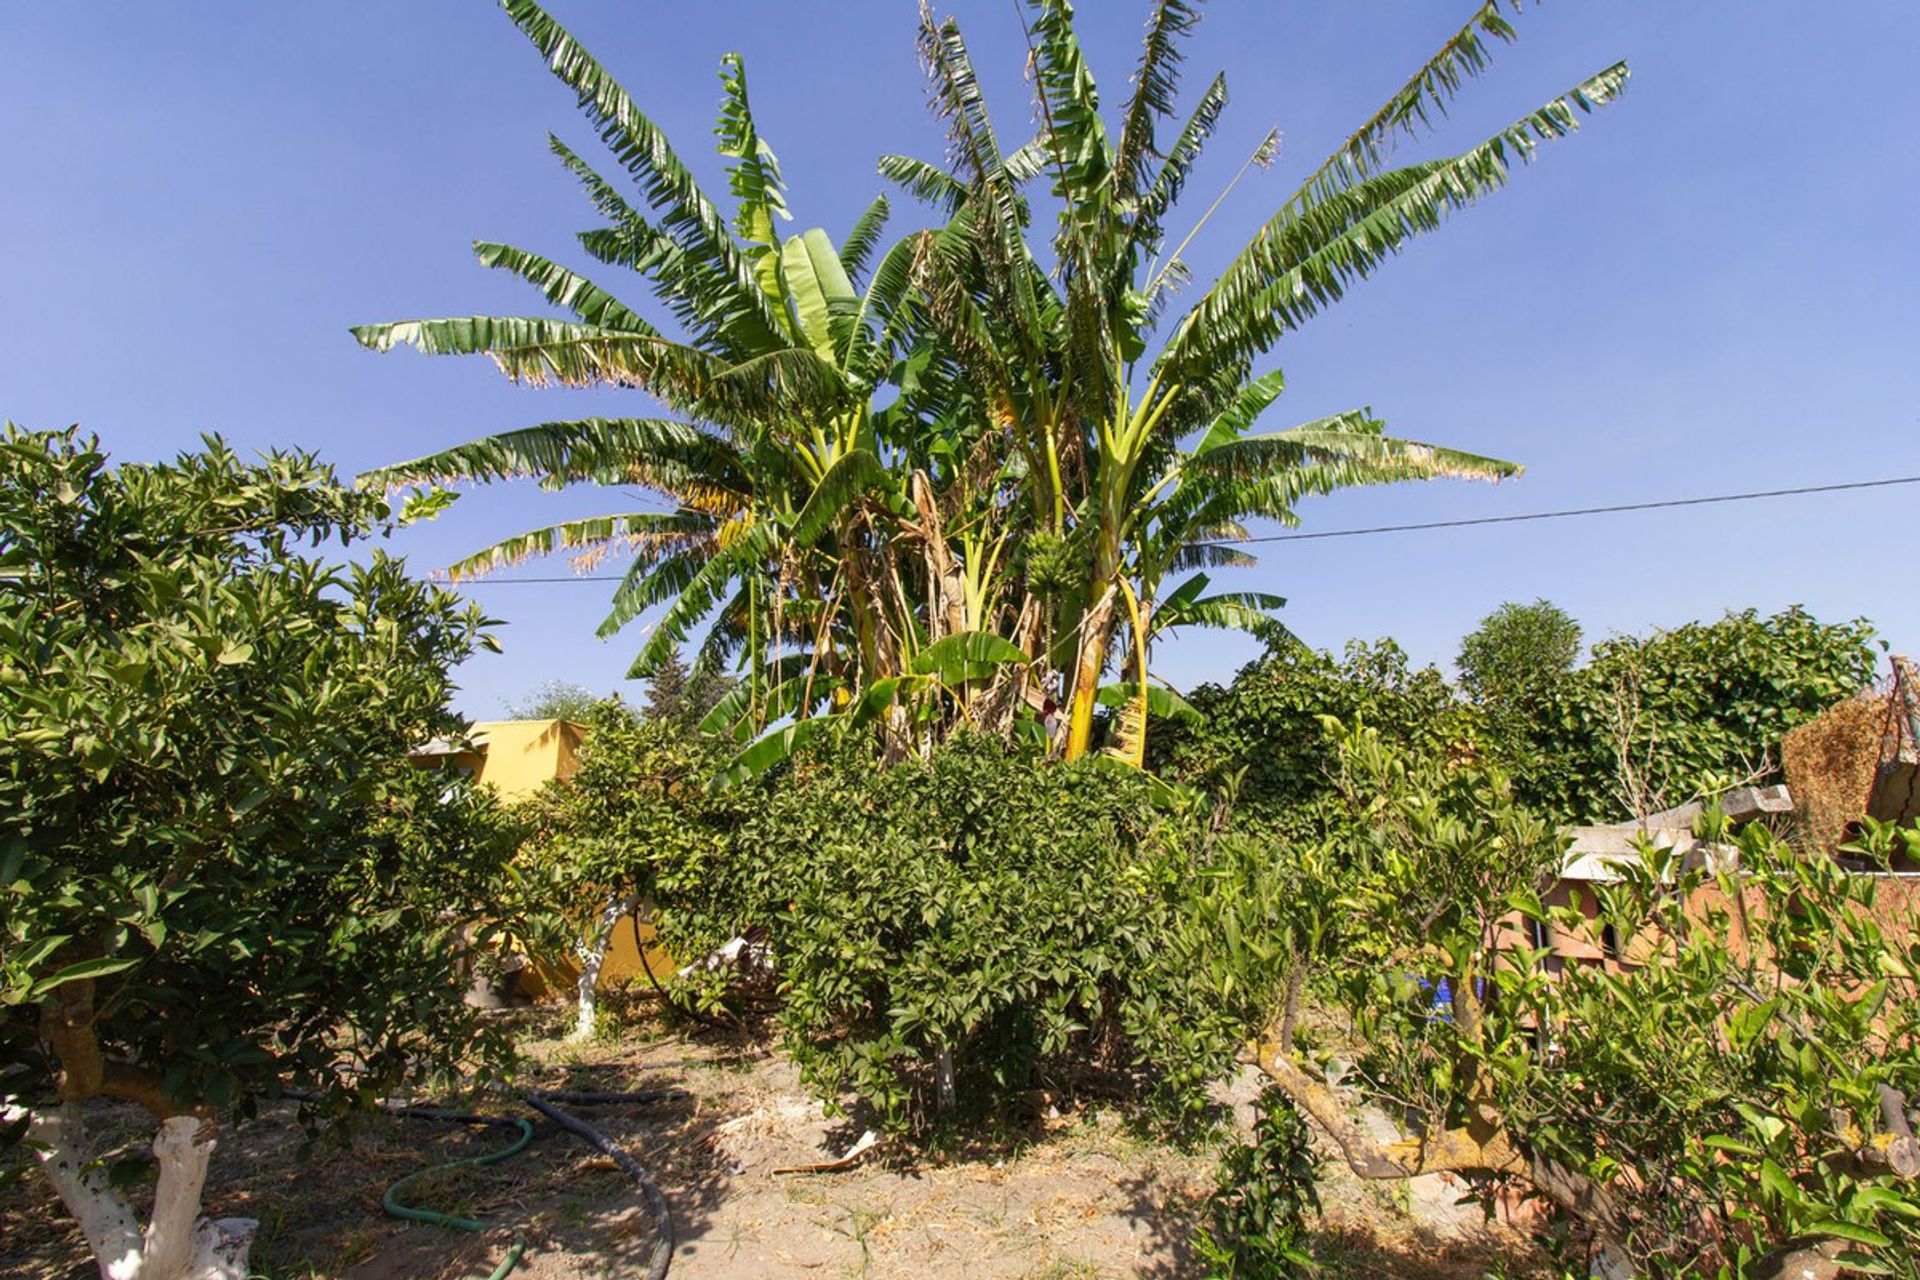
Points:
[(980, 903), (667, 693), (218, 871), (555, 700), (1687, 710), (1257, 1216), (637, 818), (1716, 1091), (1518, 652), (1263, 739)]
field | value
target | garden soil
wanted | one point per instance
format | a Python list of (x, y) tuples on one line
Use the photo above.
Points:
[(1085, 1196)]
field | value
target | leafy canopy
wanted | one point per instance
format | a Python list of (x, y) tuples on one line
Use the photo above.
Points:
[(1518, 651), (218, 872)]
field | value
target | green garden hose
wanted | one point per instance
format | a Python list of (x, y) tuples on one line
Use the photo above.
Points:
[(394, 1205), (541, 1100)]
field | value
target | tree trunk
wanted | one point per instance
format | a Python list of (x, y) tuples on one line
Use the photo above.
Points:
[(177, 1243), (945, 1094), (1482, 1146), (1089, 662), (591, 952)]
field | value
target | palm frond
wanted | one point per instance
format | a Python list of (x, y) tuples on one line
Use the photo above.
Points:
[(881, 320), (1156, 85), (823, 296), (1248, 403), (590, 303), (697, 598), (925, 182), (1162, 702), (864, 236), (776, 747), (754, 179), (1303, 261), (646, 534), (1465, 55), (656, 452), (1076, 137), (844, 481), (1171, 178), (1209, 555), (686, 213), (754, 176), (967, 655), (1355, 438), (1248, 611)]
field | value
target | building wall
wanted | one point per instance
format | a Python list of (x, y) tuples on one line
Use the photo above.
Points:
[(523, 755)]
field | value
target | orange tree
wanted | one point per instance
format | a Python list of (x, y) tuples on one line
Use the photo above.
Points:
[(218, 872)]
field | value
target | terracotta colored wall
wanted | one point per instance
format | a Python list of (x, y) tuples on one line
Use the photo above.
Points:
[(1896, 907)]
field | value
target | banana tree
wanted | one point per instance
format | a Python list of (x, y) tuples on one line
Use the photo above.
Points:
[(773, 366), (1062, 358)]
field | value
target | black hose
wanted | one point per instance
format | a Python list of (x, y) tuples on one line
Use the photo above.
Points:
[(643, 1098), (661, 1256)]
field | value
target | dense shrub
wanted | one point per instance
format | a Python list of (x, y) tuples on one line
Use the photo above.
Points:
[(1648, 721), (1262, 739), (981, 907), (1654, 721)]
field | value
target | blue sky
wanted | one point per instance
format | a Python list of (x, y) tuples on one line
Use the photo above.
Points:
[(1711, 288)]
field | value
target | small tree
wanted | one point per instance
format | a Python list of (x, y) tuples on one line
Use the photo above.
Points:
[(555, 700), (667, 690), (1728, 1098), (598, 841), (218, 872), (679, 695), (1517, 651)]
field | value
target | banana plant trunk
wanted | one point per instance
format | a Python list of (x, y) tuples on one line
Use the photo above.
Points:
[(1096, 628)]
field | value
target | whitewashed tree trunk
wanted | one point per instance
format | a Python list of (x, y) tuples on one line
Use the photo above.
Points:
[(945, 1094), (1610, 1263), (591, 952), (177, 1243)]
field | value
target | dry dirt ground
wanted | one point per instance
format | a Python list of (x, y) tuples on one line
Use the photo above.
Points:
[(1085, 1197)]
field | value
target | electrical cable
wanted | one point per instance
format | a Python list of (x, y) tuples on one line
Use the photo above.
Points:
[(1616, 508), (1368, 531)]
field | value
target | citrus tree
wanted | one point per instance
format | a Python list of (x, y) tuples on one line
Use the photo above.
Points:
[(1728, 1097), (219, 875)]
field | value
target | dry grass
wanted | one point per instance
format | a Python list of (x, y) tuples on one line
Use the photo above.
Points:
[(1830, 763)]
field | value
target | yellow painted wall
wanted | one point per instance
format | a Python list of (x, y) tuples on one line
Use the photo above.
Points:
[(623, 965), (521, 755)]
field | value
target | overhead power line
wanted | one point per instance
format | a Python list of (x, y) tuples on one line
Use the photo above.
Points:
[(1370, 530), (1587, 511)]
